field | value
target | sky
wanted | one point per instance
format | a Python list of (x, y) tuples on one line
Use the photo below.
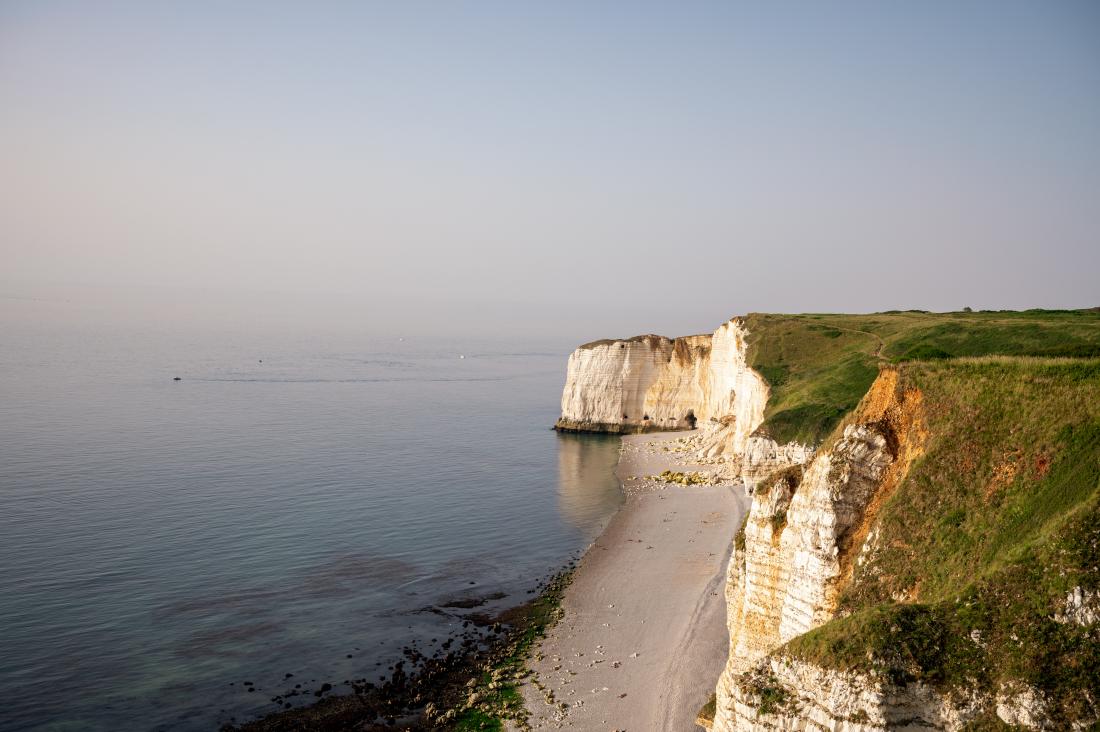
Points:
[(566, 169)]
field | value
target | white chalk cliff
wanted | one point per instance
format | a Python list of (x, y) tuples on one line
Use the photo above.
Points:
[(656, 383), (783, 581)]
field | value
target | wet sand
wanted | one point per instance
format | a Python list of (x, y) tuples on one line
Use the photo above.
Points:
[(643, 639)]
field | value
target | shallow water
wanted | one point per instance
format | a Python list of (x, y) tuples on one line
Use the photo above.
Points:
[(163, 541)]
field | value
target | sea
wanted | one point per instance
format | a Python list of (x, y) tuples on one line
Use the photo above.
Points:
[(295, 503)]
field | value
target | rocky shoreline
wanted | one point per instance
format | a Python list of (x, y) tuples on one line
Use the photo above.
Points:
[(468, 684)]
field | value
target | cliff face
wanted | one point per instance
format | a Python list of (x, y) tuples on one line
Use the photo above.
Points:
[(782, 693), (788, 694), (656, 383), (802, 535), (783, 573), (763, 456), (607, 382)]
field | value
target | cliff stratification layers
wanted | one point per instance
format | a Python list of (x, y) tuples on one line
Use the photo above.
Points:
[(651, 383), (802, 535), (611, 386)]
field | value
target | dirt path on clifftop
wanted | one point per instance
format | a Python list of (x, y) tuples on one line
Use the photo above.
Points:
[(643, 638), (880, 344)]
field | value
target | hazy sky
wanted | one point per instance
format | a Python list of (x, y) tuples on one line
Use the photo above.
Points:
[(582, 168)]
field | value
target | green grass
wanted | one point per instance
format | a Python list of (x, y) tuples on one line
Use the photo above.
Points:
[(770, 695), (475, 719), (709, 709), (651, 338), (739, 537), (819, 366), (985, 536)]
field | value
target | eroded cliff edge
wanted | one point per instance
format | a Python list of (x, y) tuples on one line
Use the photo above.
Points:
[(934, 563), (703, 382)]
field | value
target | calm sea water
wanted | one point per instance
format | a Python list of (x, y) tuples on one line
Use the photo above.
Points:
[(163, 541)]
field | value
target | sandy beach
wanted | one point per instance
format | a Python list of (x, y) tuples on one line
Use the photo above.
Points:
[(643, 638)]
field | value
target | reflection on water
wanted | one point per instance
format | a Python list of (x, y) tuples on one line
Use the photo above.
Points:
[(162, 541), (588, 491)]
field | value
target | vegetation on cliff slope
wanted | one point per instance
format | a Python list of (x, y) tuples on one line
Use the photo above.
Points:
[(820, 365), (982, 541)]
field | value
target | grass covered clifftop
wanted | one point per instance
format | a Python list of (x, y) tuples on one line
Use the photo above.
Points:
[(820, 365), (984, 567)]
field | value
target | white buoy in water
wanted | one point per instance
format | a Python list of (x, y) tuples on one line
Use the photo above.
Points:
[(461, 356)]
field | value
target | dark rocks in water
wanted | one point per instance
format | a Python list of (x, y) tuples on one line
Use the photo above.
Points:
[(398, 702), (467, 603)]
